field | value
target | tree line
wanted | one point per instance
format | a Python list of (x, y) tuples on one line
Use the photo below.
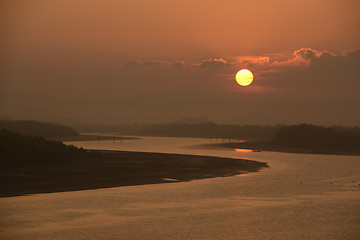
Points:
[(318, 137), (41, 129), (17, 149)]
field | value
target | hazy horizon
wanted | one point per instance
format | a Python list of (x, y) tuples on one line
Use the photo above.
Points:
[(111, 62)]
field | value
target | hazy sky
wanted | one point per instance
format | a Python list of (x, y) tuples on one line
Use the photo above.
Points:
[(111, 61)]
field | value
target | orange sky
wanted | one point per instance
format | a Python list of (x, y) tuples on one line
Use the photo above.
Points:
[(182, 29), (111, 56)]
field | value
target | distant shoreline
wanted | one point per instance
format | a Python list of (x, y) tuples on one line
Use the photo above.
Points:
[(107, 169), (94, 137), (268, 146)]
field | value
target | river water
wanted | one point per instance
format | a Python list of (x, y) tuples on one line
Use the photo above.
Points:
[(300, 196)]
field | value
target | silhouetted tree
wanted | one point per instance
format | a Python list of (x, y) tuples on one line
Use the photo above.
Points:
[(42, 129)]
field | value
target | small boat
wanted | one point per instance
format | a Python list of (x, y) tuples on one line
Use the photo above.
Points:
[(256, 150)]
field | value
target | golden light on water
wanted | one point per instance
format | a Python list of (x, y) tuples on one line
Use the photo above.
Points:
[(244, 77), (241, 150)]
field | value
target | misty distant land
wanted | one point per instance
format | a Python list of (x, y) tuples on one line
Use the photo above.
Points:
[(302, 138)]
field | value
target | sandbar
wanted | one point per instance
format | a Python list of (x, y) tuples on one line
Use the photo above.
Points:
[(105, 169)]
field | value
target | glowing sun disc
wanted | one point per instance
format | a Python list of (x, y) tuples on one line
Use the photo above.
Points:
[(244, 77)]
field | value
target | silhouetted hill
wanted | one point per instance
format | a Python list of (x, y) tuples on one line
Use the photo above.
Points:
[(205, 130), (17, 149), (42, 129), (318, 138)]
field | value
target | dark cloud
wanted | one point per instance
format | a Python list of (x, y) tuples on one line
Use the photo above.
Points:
[(131, 63), (149, 63), (154, 63), (178, 64), (349, 61)]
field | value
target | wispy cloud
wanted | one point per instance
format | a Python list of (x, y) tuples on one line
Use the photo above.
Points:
[(213, 63), (154, 63)]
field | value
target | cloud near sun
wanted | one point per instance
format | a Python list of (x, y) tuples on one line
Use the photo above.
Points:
[(285, 74), (301, 58)]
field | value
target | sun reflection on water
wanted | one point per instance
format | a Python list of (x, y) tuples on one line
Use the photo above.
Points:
[(241, 150)]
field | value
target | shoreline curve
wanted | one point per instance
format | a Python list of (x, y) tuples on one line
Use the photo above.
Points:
[(106, 169)]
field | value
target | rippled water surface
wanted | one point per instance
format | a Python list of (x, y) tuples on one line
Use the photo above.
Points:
[(301, 196)]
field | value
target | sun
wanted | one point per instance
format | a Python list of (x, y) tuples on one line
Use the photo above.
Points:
[(244, 77)]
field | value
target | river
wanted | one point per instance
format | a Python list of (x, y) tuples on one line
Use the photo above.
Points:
[(300, 196)]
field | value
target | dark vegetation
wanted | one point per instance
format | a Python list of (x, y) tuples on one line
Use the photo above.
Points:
[(306, 138), (318, 138), (41, 129), (204, 130), (16, 150)]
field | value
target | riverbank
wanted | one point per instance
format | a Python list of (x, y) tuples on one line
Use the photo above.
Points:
[(106, 169)]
